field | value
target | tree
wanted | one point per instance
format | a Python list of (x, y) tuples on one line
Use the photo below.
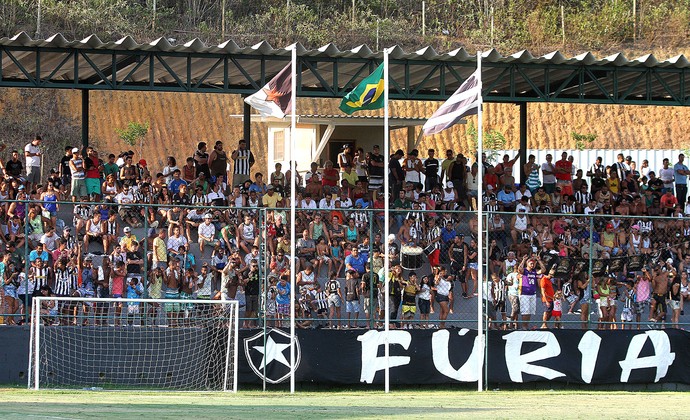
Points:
[(582, 141), (134, 134), (493, 141)]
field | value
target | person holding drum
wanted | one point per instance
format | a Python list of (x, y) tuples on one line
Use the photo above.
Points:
[(433, 243)]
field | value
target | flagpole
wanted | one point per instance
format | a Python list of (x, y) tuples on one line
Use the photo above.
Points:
[(386, 217), (293, 190), (480, 230)]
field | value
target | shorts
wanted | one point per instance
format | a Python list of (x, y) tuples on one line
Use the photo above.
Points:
[(641, 306), (133, 309), (604, 302), (93, 186), (334, 301), (424, 306), (514, 306), (627, 315), (557, 314), (252, 303), (472, 266), (409, 309), (548, 306), (528, 304), (352, 306), (173, 306), (674, 305), (284, 308), (33, 174), (660, 299), (500, 306), (441, 298), (571, 299), (78, 188), (585, 300)]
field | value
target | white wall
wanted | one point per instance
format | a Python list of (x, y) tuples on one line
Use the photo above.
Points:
[(586, 158)]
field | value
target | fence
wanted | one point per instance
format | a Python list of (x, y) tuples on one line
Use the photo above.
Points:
[(598, 263)]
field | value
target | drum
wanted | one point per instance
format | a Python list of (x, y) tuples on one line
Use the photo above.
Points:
[(411, 257)]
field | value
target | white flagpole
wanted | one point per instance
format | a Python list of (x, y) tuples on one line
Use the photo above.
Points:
[(480, 229), (293, 190), (386, 217)]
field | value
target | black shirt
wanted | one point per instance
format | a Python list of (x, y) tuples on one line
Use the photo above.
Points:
[(133, 268), (431, 167), (14, 168), (64, 164), (375, 170)]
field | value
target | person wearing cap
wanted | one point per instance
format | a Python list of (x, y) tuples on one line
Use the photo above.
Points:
[(78, 173), (449, 197), (126, 242), (207, 233), (271, 198)]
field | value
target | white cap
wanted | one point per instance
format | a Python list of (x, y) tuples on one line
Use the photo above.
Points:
[(449, 184), (75, 150), (669, 261), (127, 229), (391, 237)]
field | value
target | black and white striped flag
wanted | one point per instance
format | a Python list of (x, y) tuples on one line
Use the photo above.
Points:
[(464, 102)]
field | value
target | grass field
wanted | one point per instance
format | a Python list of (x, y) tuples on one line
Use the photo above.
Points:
[(23, 404)]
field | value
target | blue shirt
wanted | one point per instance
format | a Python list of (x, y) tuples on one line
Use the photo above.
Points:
[(174, 186), (283, 298), (364, 203), (448, 235), (680, 179), (356, 263), (506, 197), (33, 256), (257, 189)]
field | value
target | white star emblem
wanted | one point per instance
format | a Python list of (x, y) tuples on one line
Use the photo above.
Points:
[(272, 351)]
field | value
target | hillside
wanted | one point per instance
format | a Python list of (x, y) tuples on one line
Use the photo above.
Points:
[(179, 121)]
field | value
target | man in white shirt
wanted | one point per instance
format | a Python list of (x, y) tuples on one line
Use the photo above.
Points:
[(548, 170), (33, 155), (207, 233), (667, 175)]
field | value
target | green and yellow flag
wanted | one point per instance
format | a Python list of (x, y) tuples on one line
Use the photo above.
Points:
[(368, 94)]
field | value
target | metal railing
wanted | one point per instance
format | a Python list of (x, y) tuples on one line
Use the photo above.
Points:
[(575, 246)]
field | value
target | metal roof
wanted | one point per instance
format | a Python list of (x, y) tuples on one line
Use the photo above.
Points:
[(329, 72)]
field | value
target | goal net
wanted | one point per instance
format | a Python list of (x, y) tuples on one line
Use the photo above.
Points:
[(174, 344)]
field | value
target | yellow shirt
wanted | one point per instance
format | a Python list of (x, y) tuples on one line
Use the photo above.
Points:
[(126, 242), (271, 201), (160, 250)]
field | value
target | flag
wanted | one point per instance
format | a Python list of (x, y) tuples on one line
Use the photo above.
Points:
[(464, 102), (368, 94), (274, 99)]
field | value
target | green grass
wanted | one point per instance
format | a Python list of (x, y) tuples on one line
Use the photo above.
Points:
[(410, 404)]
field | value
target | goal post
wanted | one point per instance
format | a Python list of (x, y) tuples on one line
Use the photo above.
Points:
[(175, 344)]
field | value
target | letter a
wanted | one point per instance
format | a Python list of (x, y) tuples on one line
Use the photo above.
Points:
[(662, 359)]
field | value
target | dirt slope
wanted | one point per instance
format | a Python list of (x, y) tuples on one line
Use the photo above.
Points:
[(179, 121)]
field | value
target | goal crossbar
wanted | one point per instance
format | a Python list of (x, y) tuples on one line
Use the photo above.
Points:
[(58, 331)]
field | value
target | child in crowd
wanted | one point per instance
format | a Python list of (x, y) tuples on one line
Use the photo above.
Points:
[(134, 291), (424, 301), (557, 312), (497, 292), (334, 301)]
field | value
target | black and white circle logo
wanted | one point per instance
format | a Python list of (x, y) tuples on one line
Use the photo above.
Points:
[(271, 359)]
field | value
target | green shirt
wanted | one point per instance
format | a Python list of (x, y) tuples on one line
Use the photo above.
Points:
[(111, 168)]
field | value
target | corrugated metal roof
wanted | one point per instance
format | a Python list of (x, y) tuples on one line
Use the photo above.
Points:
[(330, 72), (428, 53)]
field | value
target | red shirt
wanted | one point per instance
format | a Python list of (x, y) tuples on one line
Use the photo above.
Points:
[(668, 201), (330, 173), (546, 289), (568, 167)]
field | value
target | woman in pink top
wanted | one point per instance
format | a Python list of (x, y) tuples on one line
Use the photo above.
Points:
[(643, 288)]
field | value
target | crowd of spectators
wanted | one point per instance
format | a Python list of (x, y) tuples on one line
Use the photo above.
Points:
[(219, 229)]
